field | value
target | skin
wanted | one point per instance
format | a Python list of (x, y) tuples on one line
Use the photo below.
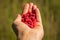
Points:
[(22, 31)]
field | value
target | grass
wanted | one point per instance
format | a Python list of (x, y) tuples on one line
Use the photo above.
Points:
[(50, 12)]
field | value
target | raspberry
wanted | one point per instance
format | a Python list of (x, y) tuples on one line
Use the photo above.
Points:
[(30, 18)]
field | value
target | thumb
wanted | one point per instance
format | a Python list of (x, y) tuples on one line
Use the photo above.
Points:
[(17, 20), (20, 25)]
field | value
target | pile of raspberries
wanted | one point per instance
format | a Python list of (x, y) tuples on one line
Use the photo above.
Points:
[(29, 18)]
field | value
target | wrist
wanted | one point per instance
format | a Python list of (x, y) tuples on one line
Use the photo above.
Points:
[(26, 37), (20, 36)]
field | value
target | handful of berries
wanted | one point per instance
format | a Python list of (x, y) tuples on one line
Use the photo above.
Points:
[(30, 18)]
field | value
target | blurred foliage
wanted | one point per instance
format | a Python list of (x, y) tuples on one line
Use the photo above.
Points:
[(50, 13)]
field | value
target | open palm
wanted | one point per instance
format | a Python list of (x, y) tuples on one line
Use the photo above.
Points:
[(23, 31)]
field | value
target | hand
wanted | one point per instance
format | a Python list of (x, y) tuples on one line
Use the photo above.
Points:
[(22, 31)]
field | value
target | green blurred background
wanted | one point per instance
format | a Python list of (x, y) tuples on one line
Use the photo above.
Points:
[(50, 12)]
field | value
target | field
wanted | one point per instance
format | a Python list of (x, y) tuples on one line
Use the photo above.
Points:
[(50, 12)]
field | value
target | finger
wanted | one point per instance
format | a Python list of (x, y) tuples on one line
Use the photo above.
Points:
[(18, 19), (39, 22), (26, 7), (34, 7), (38, 15), (30, 7)]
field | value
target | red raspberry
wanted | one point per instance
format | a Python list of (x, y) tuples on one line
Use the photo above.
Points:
[(30, 18)]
